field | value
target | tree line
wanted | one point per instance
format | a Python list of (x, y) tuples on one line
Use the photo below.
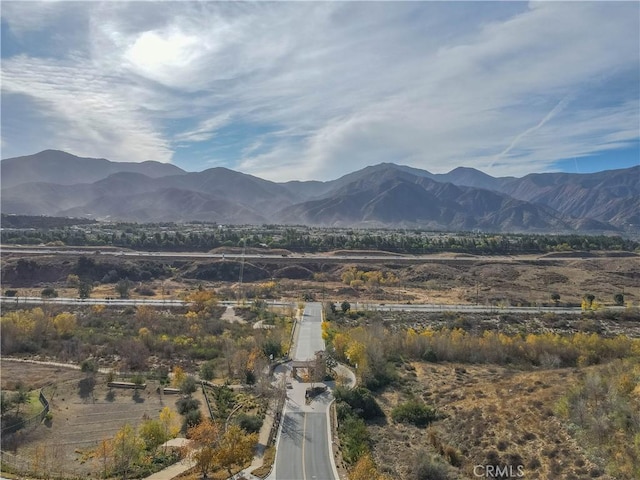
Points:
[(173, 237)]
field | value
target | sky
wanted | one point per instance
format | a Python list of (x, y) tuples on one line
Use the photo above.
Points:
[(315, 90)]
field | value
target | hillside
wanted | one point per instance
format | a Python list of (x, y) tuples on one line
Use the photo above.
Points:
[(384, 195)]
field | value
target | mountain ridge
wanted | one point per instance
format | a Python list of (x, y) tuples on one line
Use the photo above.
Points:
[(385, 194)]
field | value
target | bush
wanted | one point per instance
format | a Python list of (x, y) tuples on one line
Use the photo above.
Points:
[(188, 385), (48, 292), (354, 438), (186, 405), (145, 291), (414, 412), (618, 298), (191, 419), (361, 402), (10, 293), (428, 468), (249, 423), (208, 370)]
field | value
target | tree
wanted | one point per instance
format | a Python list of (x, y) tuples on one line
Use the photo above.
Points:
[(170, 422), (20, 398), (49, 292), (204, 438), (208, 370), (104, 454), (65, 323), (345, 306), (189, 385), (177, 376), (555, 296), (618, 298), (127, 450), (153, 434), (84, 290), (123, 287), (6, 402), (235, 448)]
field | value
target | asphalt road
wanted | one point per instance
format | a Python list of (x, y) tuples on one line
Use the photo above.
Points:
[(302, 454), (303, 448), (310, 339), (306, 257), (310, 333)]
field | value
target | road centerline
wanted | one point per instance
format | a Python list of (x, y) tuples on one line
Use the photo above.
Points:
[(304, 440)]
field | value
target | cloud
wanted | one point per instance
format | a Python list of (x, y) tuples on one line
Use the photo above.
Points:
[(317, 89)]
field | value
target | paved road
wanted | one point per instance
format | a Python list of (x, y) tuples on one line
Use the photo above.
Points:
[(303, 448), (307, 257), (310, 338), (310, 333)]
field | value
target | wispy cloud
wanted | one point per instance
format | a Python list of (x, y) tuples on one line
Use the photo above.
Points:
[(318, 89)]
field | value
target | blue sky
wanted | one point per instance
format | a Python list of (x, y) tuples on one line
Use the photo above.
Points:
[(315, 90)]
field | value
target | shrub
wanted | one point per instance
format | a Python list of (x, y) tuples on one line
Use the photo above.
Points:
[(10, 293), (414, 412), (145, 291), (427, 468), (618, 298), (361, 402), (186, 405), (49, 292), (208, 370), (191, 419), (188, 385), (355, 439), (249, 423)]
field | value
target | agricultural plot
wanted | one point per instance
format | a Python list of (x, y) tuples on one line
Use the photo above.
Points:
[(82, 416)]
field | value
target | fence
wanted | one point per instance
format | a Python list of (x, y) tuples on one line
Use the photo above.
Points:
[(25, 423), (16, 463)]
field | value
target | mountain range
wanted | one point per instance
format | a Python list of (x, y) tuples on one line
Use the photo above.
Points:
[(57, 183)]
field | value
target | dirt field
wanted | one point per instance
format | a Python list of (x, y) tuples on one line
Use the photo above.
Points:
[(82, 416)]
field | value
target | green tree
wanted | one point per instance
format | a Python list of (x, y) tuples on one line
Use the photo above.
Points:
[(49, 292), (84, 290), (555, 296), (618, 298), (21, 397), (208, 370), (189, 385), (123, 287), (345, 306)]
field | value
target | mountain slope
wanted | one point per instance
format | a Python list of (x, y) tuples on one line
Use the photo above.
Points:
[(55, 166), (393, 197), (380, 195), (161, 205), (607, 196)]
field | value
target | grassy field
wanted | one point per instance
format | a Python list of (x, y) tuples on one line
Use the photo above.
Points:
[(488, 415)]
